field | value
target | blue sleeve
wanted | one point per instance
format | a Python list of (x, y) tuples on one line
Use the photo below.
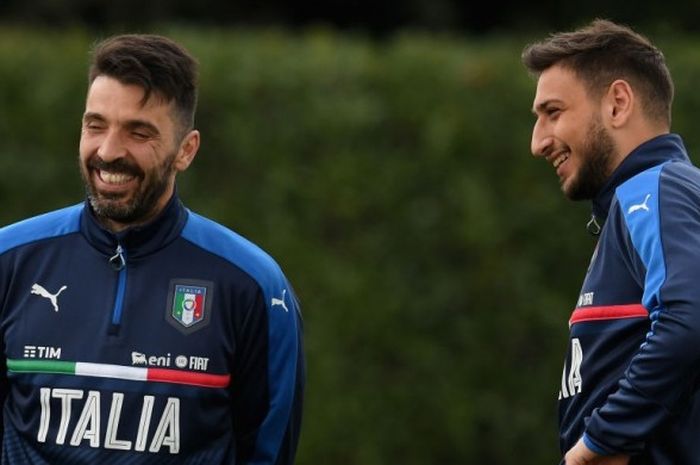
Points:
[(662, 376), (4, 384), (269, 372), (268, 382), (4, 389)]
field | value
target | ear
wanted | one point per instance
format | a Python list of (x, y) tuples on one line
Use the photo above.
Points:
[(619, 103), (188, 150)]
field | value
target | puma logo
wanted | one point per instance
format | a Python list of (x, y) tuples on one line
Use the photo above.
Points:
[(40, 291), (641, 206), (280, 302)]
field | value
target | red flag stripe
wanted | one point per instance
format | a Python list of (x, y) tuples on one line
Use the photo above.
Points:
[(197, 310), (187, 377), (611, 312)]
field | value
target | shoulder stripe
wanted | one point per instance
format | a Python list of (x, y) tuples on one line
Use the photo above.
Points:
[(283, 324), (234, 248), (639, 204), (610, 312), (53, 224)]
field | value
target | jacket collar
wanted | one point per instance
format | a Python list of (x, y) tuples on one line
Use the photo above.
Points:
[(139, 240), (650, 153)]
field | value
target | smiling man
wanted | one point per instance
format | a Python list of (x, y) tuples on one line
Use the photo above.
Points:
[(134, 330), (130, 150), (629, 390)]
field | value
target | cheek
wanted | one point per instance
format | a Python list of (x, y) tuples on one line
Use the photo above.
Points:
[(569, 132), (87, 146)]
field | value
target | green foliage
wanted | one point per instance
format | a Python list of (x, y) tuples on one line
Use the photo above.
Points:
[(436, 261)]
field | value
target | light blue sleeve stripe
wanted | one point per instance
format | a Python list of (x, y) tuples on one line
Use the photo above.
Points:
[(639, 201), (52, 224), (283, 325), (593, 446)]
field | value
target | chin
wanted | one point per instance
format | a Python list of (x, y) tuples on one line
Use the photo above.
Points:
[(565, 187), (570, 191)]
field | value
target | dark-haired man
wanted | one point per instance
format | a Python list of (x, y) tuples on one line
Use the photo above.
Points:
[(134, 330), (629, 391)]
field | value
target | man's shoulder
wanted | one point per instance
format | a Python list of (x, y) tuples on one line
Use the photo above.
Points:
[(673, 175), (680, 172), (45, 226), (232, 247)]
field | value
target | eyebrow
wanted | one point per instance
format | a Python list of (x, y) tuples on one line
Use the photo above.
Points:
[(92, 116), (540, 107), (131, 124), (140, 124)]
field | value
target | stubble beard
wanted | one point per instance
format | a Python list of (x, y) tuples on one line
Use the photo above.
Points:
[(596, 156), (141, 204)]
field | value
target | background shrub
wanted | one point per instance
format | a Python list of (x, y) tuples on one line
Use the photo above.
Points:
[(437, 262)]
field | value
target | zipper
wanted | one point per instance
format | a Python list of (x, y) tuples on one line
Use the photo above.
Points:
[(593, 226), (118, 262)]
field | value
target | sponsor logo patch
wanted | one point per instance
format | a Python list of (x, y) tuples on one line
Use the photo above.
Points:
[(45, 352), (189, 304)]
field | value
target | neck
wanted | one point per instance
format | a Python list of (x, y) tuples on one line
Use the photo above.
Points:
[(629, 140), (119, 226), (138, 219)]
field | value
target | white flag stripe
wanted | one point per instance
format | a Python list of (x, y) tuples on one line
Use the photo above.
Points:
[(111, 371)]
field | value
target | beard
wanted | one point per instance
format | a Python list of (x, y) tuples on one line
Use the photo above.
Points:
[(596, 155), (135, 206)]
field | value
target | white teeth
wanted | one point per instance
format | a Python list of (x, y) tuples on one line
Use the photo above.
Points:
[(115, 178), (560, 159)]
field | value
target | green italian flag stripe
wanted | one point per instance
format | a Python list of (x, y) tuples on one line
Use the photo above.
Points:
[(104, 370), (41, 366)]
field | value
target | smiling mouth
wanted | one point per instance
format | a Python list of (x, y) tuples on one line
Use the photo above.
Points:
[(114, 179), (113, 184), (561, 158)]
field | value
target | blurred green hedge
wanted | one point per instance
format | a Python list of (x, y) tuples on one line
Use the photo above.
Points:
[(436, 261)]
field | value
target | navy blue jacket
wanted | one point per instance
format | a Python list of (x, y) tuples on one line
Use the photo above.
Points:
[(178, 342), (630, 383)]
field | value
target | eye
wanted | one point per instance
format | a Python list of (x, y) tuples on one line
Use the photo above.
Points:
[(553, 112), (93, 126), (139, 135)]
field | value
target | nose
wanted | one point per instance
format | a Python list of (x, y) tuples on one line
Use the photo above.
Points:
[(111, 146), (542, 141)]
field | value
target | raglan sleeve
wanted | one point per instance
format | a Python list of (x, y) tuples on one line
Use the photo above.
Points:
[(4, 390), (664, 374), (4, 383), (269, 378)]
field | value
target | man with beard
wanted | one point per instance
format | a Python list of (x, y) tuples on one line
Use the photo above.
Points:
[(134, 330), (629, 390)]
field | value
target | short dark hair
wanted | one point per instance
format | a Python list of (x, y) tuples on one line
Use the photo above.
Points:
[(155, 63), (602, 52)]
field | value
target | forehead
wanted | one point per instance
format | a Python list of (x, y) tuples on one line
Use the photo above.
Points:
[(559, 84), (114, 100)]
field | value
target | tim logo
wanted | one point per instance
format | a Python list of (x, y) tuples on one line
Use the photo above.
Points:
[(189, 304), (44, 352)]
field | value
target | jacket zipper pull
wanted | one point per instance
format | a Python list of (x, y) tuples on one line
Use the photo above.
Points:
[(592, 226), (117, 260)]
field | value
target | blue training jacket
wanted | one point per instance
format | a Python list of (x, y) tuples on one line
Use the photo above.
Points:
[(630, 382), (178, 342)]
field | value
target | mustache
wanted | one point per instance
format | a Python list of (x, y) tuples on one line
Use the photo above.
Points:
[(119, 165)]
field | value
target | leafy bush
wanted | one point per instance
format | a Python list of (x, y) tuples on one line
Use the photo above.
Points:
[(437, 263)]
